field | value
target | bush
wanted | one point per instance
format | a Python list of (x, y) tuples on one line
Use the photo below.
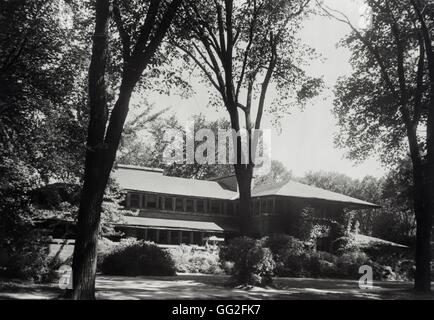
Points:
[(322, 265), (252, 263), (279, 243), (188, 259), (289, 254), (105, 247), (31, 264), (23, 250), (134, 258), (399, 260), (349, 263)]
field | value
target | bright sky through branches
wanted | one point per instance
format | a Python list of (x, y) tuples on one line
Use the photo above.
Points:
[(305, 142)]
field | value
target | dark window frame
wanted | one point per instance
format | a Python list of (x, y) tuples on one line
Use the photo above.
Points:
[(133, 195), (168, 200), (177, 201), (200, 205), (155, 202), (187, 202)]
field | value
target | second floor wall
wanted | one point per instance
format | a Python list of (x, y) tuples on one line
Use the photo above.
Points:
[(261, 206)]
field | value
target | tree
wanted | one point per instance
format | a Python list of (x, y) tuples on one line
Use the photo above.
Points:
[(241, 49), (140, 39), (145, 147), (389, 99), (278, 174), (395, 220), (42, 117), (42, 80)]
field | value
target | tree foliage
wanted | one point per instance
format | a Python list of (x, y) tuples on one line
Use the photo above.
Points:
[(394, 221), (145, 146), (42, 114)]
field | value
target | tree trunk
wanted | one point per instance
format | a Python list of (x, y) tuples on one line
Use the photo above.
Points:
[(422, 281), (424, 218), (99, 163), (84, 259), (85, 250), (102, 143), (244, 174), (423, 211)]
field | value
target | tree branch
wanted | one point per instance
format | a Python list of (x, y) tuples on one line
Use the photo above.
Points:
[(200, 65), (125, 37), (419, 83), (266, 82), (374, 51)]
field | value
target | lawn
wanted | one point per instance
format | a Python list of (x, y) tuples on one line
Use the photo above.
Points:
[(194, 286)]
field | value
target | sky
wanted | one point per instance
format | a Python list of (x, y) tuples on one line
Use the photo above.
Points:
[(305, 140)]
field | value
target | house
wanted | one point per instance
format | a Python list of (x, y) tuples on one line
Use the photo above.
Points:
[(172, 210)]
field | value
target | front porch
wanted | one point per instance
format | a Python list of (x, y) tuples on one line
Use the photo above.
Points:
[(173, 232)]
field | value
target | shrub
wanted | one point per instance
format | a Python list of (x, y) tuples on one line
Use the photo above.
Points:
[(349, 263), (279, 243), (343, 245), (188, 259), (133, 258), (289, 254), (31, 265), (252, 263), (23, 250), (399, 260), (105, 247), (322, 264)]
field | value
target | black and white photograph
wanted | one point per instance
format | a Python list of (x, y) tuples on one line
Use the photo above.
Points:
[(213, 158)]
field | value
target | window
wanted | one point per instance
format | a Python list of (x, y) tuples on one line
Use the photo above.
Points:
[(280, 206), (190, 205), (134, 200), (270, 206), (142, 234), (214, 206), (151, 201), (168, 203), (160, 203), (264, 206), (229, 208), (200, 205), (256, 207), (179, 205)]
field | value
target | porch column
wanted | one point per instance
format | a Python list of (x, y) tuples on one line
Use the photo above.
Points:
[(157, 236), (191, 237), (180, 237), (146, 234), (202, 235)]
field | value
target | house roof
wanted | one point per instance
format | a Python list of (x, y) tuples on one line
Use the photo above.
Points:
[(132, 221), (363, 240), (299, 190), (154, 181)]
